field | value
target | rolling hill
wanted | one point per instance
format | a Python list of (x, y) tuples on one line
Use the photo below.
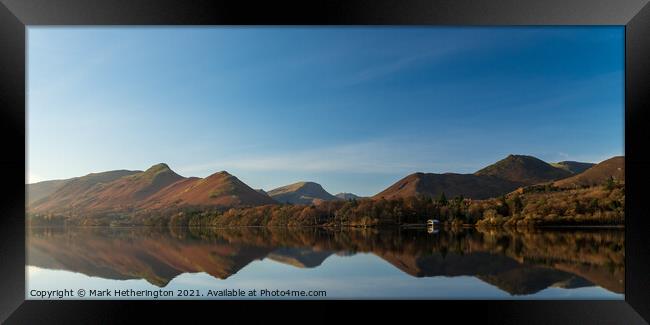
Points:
[(137, 187), (158, 187), (432, 185), (598, 174), (37, 191), (524, 169), (301, 193), (500, 178), (76, 189), (218, 189)]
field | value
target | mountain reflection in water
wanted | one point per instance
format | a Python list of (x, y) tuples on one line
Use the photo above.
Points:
[(519, 263)]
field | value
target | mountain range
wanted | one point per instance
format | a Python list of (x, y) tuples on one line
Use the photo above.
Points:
[(159, 187), (156, 187), (504, 176)]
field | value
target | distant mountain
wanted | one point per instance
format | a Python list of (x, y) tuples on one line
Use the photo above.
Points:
[(301, 193), (261, 191), (159, 187), (524, 169), (598, 174), (76, 189), (156, 188), (575, 167), (137, 187), (500, 178), (37, 191), (432, 185), (347, 196)]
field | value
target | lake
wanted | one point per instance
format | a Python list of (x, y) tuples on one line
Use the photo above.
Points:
[(315, 263)]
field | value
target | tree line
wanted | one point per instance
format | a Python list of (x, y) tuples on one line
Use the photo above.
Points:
[(535, 206)]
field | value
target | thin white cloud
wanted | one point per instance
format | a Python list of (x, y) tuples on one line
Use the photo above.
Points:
[(399, 64), (384, 156)]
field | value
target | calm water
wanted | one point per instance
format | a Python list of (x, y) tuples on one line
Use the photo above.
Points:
[(464, 264)]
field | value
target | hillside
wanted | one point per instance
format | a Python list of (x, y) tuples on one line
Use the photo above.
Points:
[(77, 189), (498, 179), (218, 189), (140, 186), (575, 167), (301, 193), (127, 192), (37, 191), (598, 174), (433, 185), (158, 187), (524, 169)]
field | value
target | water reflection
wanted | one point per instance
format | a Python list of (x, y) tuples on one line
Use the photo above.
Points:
[(519, 263)]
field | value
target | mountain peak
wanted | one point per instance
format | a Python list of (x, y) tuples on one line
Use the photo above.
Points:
[(158, 168), (303, 192), (309, 184), (158, 172), (520, 157), (524, 169), (222, 173), (304, 183), (156, 188)]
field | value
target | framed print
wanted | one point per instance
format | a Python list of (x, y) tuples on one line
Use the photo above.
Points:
[(422, 156)]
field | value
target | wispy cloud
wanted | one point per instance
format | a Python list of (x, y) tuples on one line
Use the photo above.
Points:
[(399, 64), (379, 156)]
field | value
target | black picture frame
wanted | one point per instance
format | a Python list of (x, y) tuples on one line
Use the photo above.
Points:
[(16, 15)]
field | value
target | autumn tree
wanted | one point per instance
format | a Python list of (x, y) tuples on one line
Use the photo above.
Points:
[(442, 199)]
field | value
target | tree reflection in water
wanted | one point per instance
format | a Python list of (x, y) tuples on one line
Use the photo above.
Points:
[(519, 262)]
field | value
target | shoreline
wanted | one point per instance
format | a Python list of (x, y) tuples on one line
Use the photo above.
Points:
[(464, 226)]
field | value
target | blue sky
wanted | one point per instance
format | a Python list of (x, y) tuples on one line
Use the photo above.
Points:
[(354, 109)]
